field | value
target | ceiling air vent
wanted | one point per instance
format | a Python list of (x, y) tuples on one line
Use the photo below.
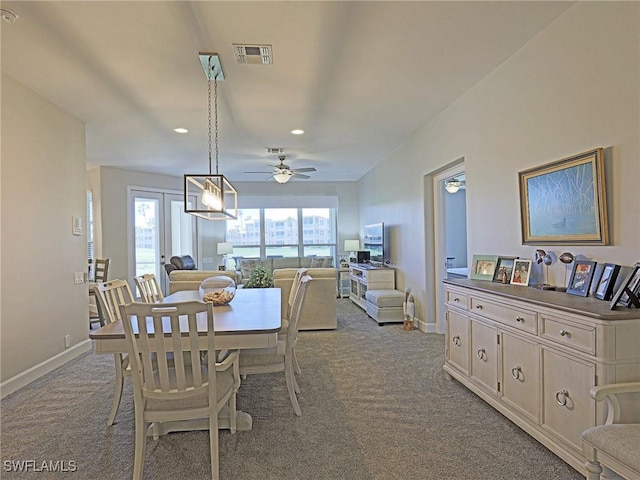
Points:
[(253, 54)]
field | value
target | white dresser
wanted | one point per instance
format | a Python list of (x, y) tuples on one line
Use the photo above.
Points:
[(533, 355)]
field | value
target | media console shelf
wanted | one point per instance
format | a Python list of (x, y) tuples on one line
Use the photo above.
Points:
[(534, 355), (365, 277)]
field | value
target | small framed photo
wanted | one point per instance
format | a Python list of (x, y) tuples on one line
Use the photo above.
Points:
[(630, 284), (483, 267), (581, 277), (606, 282), (504, 269), (521, 272)]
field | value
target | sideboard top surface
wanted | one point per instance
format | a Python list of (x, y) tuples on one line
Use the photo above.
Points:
[(586, 306)]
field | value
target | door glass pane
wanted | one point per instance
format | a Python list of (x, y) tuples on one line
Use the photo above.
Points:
[(147, 235), (181, 228)]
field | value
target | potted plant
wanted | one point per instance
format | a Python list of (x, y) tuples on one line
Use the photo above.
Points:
[(259, 278)]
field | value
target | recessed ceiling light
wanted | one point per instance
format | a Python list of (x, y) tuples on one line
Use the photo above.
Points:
[(297, 131), (180, 130)]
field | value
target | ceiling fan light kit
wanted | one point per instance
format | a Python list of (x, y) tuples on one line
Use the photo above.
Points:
[(282, 173), (215, 197)]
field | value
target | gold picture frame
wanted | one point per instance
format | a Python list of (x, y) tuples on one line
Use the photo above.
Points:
[(564, 202)]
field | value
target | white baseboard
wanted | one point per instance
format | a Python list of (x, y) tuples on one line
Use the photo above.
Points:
[(424, 326), (37, 371)]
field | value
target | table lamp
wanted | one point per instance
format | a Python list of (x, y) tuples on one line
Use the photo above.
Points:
[(352, 246), (224, 249)]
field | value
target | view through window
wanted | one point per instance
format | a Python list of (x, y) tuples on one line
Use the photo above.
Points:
[(283, 232)]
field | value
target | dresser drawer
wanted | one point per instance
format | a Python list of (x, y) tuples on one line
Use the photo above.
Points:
[(580, 337), (457, 299), (519, 318)]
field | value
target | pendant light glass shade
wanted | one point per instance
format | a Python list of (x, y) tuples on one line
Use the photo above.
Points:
[(282, 177), (215, 197)]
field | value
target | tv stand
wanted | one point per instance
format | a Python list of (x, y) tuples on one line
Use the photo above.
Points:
[(364, 276)]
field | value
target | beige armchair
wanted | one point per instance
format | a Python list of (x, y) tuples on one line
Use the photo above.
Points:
[(191, 279), (613, 449), (319, 310)]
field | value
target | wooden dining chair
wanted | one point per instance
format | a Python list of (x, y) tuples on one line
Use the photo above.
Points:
[(100, 273), (149, 288), (166, 386), (110, 296), (280, 357)]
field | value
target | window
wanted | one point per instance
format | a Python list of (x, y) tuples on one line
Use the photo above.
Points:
[(283, 232)]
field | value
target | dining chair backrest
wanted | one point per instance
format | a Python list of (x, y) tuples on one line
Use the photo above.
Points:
[(101, 269), (150, 291), (300, 272), (155, 355), (111, 295)]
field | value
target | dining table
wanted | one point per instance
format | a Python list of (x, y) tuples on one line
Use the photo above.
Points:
[(251, 320)]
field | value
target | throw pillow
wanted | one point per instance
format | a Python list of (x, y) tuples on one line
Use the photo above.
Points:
[(248, 265), (322, 262)]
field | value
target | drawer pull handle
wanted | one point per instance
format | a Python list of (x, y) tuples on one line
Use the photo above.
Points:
[(456, 299), (482, 354), (456, 340), (516, 371), (520, 319), (561, 398), (564, 333), (479, 307)]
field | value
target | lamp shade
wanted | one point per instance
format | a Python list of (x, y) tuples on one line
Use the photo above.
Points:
[(351, 245), (225, 248)]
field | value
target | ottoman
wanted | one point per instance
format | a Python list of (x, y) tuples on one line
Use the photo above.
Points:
[(385, 306)]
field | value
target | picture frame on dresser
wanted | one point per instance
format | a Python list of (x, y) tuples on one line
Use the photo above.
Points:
[(629, 289), (565, 202), (521, 272), (504, 269), (581, 277), (606, 281), (483, 267)]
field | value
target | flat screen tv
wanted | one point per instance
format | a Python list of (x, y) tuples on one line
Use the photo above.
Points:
[(374, 242)]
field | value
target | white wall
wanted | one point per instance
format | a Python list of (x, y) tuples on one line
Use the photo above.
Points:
[(43, 187), (573, 87)]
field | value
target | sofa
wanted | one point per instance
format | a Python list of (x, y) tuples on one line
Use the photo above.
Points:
[(319, 310), (246, 265), (191, 279)]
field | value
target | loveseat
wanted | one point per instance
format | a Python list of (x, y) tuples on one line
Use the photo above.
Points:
[(319, 310), (247, 265), (191, 279)]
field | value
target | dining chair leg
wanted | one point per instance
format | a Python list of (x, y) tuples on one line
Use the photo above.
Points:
[(213, 444), (118, 393), (290, 380), (295, 363), (140, 446)]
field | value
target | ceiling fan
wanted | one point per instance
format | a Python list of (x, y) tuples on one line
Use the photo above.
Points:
[(282, 173)]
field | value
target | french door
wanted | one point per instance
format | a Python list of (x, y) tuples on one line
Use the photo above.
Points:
[(161, 230)]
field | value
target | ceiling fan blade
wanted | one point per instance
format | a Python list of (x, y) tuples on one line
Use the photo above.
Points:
[(304, 169), (299, 175), (257, 172)]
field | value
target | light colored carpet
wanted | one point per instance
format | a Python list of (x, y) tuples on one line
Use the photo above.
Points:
[(376, 405)]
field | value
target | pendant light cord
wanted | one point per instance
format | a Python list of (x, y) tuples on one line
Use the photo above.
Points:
[(215, 86)]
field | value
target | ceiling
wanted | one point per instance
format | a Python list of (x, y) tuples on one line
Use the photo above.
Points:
[(359, 77)]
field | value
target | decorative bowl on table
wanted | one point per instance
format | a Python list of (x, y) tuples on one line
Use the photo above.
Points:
[(218, 290)]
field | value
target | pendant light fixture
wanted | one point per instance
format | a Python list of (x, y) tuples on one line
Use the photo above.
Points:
[(215, 197)]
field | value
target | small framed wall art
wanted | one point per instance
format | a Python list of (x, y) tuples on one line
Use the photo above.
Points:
[(581, 277), (483, 267), (521, 272), (606, 282)]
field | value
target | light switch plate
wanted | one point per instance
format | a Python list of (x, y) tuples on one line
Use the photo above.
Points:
[(78, 278)]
